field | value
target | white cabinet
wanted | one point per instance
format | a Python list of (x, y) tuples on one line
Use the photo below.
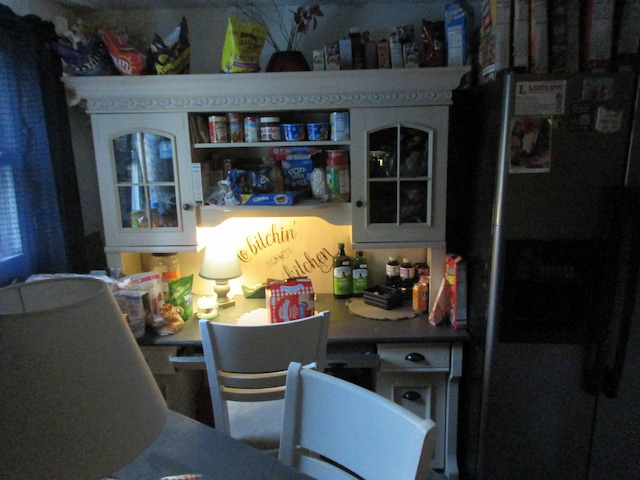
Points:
[(423, 377), (401, 111), (144, 174), (400, 174)]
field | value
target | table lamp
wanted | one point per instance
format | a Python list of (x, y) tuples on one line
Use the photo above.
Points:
[(79, 400), (221, 264)]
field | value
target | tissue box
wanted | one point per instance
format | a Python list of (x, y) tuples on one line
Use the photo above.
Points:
[(290, 300)]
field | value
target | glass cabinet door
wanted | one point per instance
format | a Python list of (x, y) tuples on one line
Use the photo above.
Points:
[(399, 177), (146, 180)]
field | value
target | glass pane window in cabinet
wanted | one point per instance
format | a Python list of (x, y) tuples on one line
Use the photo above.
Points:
[(383, 203), (400, 175), (145, 173)]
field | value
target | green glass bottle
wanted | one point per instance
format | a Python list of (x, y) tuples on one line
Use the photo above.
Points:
[(360, 274), (341, 274)]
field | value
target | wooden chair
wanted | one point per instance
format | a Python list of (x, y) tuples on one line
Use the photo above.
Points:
[(335, 430), (247, 368)]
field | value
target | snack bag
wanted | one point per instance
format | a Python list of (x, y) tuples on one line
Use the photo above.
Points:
[(242, 46), (125, 57), (180, 295), (83, 52), (173, 54)]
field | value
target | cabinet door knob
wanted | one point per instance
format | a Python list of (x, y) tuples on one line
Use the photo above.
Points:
[(186, 206), (414, 357), (359, 203), (411, 395)]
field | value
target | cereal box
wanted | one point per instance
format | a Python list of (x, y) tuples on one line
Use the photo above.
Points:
[(456, 287), (289, 300)]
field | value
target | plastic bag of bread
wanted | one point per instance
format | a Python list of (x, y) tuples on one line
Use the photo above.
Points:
[(173, 54), (242, 46)]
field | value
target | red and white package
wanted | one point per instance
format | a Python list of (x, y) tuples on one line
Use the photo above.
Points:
[(289, 300), (125, 57)]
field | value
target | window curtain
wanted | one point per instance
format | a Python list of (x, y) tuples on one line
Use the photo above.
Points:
[(40, 216)]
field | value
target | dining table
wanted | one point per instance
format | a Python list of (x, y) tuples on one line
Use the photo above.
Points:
[(189, 450)]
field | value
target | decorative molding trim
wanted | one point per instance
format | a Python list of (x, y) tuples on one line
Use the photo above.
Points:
[(267, 102), (267, 91)]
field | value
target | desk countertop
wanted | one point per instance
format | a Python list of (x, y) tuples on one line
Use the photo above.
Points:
[(345, 327)]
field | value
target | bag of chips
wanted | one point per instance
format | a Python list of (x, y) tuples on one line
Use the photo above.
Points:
[(242, 46), (173, 54), (125, 57)]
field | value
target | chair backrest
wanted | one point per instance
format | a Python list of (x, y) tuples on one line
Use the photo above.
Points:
[(248, 363), (354, 428)]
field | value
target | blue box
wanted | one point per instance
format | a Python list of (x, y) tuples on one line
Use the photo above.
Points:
[(458, 24)]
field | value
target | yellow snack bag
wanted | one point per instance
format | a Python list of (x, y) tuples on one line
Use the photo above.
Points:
[(242, 46)]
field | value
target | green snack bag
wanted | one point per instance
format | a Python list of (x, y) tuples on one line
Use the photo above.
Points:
[(180, 295)]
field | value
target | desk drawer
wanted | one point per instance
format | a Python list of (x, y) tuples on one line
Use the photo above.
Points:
[(414, 357)]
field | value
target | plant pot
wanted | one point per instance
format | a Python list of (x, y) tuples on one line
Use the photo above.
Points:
[(288, 61)]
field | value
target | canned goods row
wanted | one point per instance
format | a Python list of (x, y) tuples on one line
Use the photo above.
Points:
[(235, 127)]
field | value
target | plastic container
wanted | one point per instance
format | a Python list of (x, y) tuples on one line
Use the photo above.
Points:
[(166, 264), (338, 179), (294, 132), (317, 131), (270, 129)]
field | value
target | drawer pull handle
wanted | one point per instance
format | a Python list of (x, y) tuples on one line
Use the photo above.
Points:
[(411, 395), (414, 357)]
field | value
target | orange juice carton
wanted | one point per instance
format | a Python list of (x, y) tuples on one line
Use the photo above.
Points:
[(456, 290), (289, 300)]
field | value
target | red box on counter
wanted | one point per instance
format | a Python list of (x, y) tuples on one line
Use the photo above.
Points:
[(456, 285), (289, 300)]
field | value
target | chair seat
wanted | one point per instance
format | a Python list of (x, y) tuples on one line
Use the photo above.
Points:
[(258, 424)]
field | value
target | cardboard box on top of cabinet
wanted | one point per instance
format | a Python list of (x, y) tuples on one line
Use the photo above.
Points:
[(455, 276), (290, 299)]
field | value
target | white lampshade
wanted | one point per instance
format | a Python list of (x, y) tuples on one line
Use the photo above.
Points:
[(220, 262), (78, 399)]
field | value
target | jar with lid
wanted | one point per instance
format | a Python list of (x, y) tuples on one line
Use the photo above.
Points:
[(270, 129), (338, 181), (166, 264)]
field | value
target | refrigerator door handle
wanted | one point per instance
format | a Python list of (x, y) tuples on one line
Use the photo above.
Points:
[(630, 259), (605, 353)]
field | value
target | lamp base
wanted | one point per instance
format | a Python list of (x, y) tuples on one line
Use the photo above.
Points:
[(225, 302)]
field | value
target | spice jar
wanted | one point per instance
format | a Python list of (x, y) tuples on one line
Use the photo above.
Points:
[(270, 129), (338, 181)]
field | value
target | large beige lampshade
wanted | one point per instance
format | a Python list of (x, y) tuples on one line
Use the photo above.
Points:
[(78, 399)]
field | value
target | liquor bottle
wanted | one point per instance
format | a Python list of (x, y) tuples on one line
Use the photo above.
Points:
[(342, 279), (360, 274), (392, 272)]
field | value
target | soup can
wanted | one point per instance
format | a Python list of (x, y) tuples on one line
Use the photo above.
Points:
[(339, 125)]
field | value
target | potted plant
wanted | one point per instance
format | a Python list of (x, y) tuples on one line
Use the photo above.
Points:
[(304, 19)]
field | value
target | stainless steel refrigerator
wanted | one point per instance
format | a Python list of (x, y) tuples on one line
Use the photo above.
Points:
[(544, 203)]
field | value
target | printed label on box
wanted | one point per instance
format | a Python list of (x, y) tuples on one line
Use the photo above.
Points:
[(290, 300)]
